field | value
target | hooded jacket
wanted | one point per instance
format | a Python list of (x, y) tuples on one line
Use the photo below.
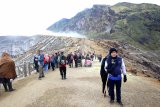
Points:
[(7, 67)]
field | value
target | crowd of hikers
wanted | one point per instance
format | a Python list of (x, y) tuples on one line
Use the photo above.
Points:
[(43, 62), (112, 67)]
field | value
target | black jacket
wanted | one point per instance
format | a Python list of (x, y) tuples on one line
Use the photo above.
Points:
[(102, 71)]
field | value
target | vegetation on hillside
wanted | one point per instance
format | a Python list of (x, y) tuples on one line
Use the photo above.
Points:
[(139, 24)]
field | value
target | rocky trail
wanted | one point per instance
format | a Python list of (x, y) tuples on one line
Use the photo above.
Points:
[(82, 88)]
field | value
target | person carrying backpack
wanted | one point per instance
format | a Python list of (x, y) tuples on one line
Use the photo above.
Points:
[(36, 66), (114, 65), (62, 65)]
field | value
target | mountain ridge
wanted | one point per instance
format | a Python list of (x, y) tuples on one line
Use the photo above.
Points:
[(138, 23)]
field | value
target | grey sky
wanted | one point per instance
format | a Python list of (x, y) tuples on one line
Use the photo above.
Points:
[(29, 17)]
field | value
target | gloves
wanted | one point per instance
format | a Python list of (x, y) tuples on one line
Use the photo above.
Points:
[(125, 78)]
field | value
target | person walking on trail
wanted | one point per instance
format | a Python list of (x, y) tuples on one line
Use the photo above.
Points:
[(62, 65), (70, 60), (92, 56), (46, 62), (76, 59), (53, 62), (114, 65), (49, 62), (41, 64), (56, 60), (104, 76), (100, 57), (36, 66), (7, 71)]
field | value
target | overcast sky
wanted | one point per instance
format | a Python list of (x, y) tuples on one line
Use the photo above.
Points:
[(30, 17)]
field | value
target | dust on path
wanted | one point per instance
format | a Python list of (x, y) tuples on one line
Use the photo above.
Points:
[(81, 89)]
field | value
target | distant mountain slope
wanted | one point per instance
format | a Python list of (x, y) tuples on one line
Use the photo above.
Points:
[(139, 24)]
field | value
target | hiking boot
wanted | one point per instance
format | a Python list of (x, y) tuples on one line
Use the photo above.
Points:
[(6, 90), (111, 101), (62, 77), (11, 90), (104, 93), (120, 103), (65, 77)]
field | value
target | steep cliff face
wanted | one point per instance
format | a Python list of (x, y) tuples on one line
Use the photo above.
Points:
[(98, 19), (137, 23)]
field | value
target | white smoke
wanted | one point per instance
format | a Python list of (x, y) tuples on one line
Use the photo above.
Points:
[(69, 34)]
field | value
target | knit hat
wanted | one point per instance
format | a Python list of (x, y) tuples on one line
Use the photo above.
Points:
[(112, 50)]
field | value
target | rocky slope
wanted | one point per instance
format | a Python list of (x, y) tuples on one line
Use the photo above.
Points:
[(139, 24), (137, 61)]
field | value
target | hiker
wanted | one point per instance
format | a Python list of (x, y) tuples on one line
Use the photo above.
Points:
[(92, 56), (76, 60), (49, 62), (104, 76), (41, 64), (53, 62), (46, 62), (56, 60), (114, 65), (100, 58), (79, 59), (36, 66), (70, 59), (7, 71), (62, 66), (88, 57)]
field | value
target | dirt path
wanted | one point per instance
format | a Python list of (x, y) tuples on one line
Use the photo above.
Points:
[(81, 89)]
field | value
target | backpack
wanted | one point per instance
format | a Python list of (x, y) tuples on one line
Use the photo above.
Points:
[(35, 59), (62, 60)]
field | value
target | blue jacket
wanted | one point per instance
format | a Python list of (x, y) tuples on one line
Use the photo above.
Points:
[(114, 68), (41, 59)]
